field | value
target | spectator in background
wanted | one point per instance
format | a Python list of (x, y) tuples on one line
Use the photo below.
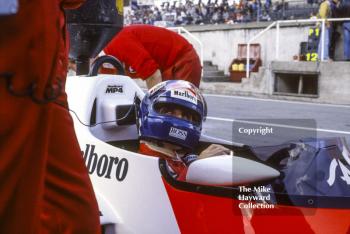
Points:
[(265, 17), (343, 9), (310, 2), (335, 35), (216, 16), (204, 12), (284, 9), (325, 12), (225, 15), (155, 54), (157, 15), (313, 15), (239, 17), (267, 6)]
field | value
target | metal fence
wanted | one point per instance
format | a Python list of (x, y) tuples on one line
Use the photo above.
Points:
[(278, 24)]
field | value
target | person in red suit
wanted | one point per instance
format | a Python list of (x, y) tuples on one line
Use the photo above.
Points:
[(45, 187), (155, 54)]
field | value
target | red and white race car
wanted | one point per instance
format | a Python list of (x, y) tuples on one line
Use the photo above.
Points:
[(245, 193)]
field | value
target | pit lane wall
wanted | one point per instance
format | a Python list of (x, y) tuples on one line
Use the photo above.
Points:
[(220, 43)]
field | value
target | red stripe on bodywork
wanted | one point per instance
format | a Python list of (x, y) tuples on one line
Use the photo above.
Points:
[(201, 213)]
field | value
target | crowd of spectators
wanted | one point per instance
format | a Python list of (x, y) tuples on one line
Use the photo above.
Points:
[(215, 12), (211, 12)]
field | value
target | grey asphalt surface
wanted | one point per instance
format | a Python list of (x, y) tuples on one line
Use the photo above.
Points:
[(294, 119)]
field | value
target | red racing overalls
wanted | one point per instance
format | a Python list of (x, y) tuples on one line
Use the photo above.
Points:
[(145, 48), (45, 187)]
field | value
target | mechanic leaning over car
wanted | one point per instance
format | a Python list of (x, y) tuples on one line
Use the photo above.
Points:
[(155, 54), (170, 120), (45, 187)]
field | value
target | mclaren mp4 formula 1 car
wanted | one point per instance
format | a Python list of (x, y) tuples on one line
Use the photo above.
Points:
[(297, 187)]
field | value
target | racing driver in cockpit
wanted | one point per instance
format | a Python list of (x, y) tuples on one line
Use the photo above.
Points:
[(170, 118)]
